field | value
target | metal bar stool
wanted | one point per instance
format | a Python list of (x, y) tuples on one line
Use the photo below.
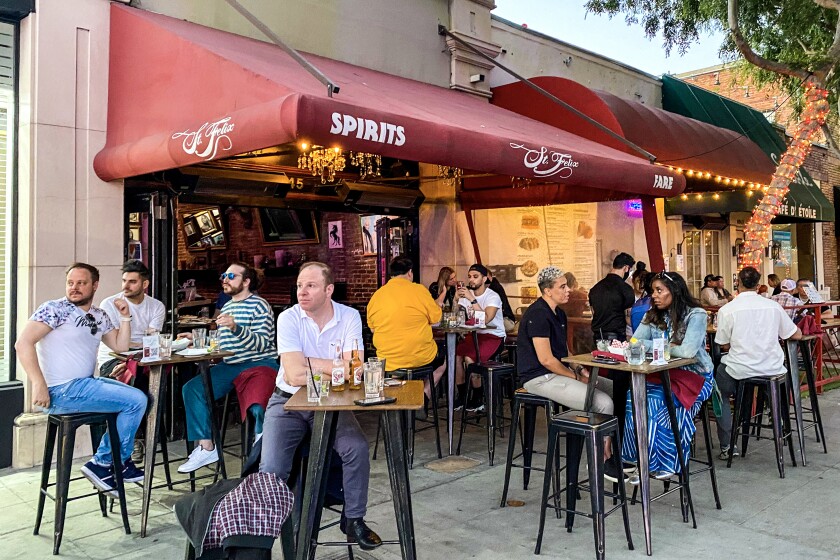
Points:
[(530, 402), (63, 427), (779, 416), (493, 375), (709, 463), (805, 348), (590, 428)]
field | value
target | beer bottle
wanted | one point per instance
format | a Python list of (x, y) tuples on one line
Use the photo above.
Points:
[(337, 376), (355, 371)]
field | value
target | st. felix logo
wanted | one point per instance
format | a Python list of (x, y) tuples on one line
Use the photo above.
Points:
[(547, 163), (208, 139)]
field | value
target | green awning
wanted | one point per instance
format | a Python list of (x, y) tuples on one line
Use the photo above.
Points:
[(805, 201)]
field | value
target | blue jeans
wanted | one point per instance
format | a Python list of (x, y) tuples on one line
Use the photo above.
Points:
[(195, 403), (103, 395)]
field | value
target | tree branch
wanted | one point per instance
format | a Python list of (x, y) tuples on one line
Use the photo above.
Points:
[(828, 4), (754, 58)]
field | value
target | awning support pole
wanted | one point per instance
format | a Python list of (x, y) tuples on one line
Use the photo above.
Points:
[(652, 234), (471, 227), (442, 30), (332, 87)]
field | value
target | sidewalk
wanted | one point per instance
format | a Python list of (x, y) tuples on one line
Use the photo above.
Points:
[(457, 515)]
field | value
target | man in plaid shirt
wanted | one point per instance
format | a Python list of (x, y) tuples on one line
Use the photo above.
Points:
[(786, 299)]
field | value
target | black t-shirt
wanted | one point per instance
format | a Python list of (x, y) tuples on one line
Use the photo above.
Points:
[(608, 300), (449, 299), (539, 321), (496, 286)]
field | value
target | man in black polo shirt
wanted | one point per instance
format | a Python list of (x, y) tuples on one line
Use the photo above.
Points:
[(610, 299), (541, 344)]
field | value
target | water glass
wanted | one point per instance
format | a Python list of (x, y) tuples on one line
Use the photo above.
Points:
[(635, 353), (199, 338), (165, 346), (667, 350), (313, 385), (373, 380), (326, 383), (603, 345)]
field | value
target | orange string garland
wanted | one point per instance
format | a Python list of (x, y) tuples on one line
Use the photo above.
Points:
[(757, 230)]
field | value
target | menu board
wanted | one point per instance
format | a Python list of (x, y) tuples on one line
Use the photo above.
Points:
[(532, 238)]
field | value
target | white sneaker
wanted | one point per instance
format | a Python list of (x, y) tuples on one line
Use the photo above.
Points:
[(199, 457)]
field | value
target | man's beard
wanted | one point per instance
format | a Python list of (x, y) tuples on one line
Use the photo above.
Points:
[(81, 302), (232, 291)]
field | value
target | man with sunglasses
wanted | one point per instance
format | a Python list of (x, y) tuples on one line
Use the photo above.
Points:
[(57, 348), (246, 328)]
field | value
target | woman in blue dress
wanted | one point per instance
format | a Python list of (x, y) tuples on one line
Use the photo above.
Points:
[(678, 316)]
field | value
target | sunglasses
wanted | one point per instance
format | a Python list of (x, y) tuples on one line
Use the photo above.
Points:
[(664, 274), (93, 328), (228, 276)]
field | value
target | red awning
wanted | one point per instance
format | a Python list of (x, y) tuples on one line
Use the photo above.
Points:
[(181, 94), (675, 140)]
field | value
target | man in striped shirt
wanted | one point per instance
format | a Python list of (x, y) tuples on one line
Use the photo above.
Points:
[(246, 328)]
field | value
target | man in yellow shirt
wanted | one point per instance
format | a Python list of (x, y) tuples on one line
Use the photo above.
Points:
[(401, 314)]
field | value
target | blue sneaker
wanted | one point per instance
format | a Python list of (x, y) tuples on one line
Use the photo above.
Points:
[(131, 473), (101, 477)]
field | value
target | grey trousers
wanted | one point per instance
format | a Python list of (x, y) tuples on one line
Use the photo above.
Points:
[(572, 393), (284, 430), (727, 387)]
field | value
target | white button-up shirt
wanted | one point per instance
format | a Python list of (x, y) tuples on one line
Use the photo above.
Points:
[(752, 326)]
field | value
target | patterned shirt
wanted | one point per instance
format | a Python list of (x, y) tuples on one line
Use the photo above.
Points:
[(68, 352), (786, 300), (254, 335)]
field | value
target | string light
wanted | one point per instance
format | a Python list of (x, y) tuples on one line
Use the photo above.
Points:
[(757, 230)]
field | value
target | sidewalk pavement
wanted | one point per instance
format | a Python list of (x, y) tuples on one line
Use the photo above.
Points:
[(457, 515)]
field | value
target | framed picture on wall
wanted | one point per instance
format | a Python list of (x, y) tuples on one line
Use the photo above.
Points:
[(189, 229), (336, 239), (206, 222), (370, 245), (288, 226)]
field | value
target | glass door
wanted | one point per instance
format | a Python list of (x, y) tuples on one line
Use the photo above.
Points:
[(702, 256)]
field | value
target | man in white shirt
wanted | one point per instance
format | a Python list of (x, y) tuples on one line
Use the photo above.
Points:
[(305, 336), (475, 295), (57, 349), (146, 313), (749, 328)]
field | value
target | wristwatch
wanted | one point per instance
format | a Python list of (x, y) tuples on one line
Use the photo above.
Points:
[(473, 302)]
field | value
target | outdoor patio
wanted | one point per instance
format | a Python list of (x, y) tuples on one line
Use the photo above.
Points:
[(457, 515)]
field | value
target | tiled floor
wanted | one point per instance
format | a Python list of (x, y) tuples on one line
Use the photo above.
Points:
[(457, 515)]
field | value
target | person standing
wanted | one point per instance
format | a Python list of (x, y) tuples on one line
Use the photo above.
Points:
[(306, 333), (610, 300), (147, 313), (749, 329), (476, 296), (401, 314), (246, 328), (57, 349)]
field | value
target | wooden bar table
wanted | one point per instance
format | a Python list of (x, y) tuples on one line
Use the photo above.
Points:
[(638, 393), (156, 389), (409, 397), (451, 341)]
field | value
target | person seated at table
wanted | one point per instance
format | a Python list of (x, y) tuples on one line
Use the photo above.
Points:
[(444, 284), (540, 346), (679, 317), (57, 350), (246, 328), (775, 283), (508, 317), (749, 329), (305, 332), (786, 298), (476, 296), (147, 313), (642, 305), (400, 314), (710, 295)]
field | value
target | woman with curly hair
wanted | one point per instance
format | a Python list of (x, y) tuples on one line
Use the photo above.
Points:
[(678, 317)]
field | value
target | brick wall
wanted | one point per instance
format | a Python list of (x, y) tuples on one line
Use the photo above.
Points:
[(245, 242), (821, 164)]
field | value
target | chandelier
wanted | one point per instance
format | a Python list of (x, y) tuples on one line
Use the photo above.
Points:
[(369, 164), (451, 176), (323, 162)]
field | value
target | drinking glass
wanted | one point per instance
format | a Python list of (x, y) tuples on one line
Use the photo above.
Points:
[(326, 383), (199, 338), (165, 346), (313, 385), (373, 380), (667, 351), (213, 340), (603, 345), (635, 353)]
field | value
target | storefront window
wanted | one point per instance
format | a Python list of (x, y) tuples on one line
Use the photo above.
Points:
[(702, 257), (8, 57), (793, 251)]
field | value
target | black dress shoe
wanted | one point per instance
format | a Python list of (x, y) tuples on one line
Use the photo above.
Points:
[(359, 533)]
